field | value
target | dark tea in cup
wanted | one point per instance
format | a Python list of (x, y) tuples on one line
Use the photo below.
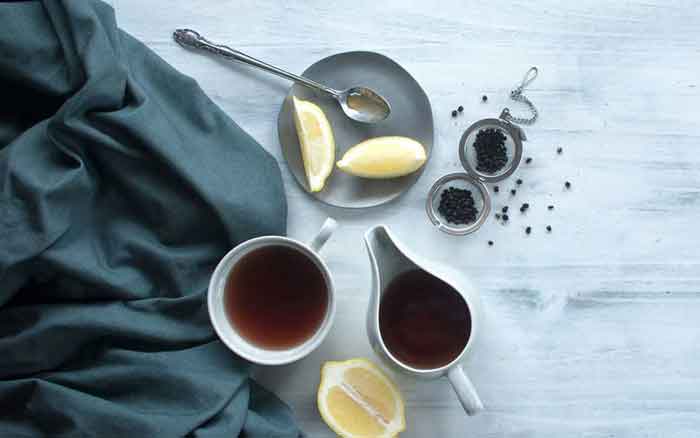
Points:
[(276, 297)]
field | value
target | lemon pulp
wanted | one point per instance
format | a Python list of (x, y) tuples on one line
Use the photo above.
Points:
[(316, 141), (357, 400)]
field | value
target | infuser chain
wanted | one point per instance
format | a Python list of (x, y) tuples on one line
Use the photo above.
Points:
[(518, 96)]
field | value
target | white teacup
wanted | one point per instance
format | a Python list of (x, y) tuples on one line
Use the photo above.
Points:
[(227, 331)]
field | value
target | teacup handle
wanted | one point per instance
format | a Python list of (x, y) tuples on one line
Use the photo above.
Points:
[(465, 390), (329, 226)]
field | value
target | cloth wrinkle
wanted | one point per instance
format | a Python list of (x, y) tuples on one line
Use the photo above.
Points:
[(121, 186)]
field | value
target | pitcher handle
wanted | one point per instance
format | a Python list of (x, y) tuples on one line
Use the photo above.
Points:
[(465, 390), (329, 226)]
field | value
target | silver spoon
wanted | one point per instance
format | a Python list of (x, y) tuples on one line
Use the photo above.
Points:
[(358, 103)]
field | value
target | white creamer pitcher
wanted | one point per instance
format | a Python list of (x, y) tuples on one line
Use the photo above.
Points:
[(389, 259)]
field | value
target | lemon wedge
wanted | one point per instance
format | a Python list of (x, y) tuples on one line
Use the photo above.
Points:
[(357, 400), (316, 140), (383, 157)]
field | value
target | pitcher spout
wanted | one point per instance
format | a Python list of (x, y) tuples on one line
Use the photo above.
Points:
[(387, 261)]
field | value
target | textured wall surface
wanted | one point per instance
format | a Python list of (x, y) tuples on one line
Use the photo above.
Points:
[(592, 330)]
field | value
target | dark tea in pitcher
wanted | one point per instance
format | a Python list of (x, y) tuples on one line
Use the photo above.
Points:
[(276, 297), (423, 321)]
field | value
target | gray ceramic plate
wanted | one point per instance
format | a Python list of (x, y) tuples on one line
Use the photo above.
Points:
[(411, 116)]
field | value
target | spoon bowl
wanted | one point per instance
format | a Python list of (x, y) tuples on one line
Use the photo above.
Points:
[(364, 105)]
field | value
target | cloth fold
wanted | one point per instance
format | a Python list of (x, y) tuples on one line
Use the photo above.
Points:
[(121, 186)]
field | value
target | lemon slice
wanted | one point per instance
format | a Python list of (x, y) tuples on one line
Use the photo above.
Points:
[(357, 400), (316, 140), (383, 157)]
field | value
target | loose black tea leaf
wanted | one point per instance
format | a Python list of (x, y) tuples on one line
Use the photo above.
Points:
[(491, 152), (457, 206)]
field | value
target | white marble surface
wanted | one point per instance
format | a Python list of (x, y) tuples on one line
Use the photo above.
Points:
[(592, 331)]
